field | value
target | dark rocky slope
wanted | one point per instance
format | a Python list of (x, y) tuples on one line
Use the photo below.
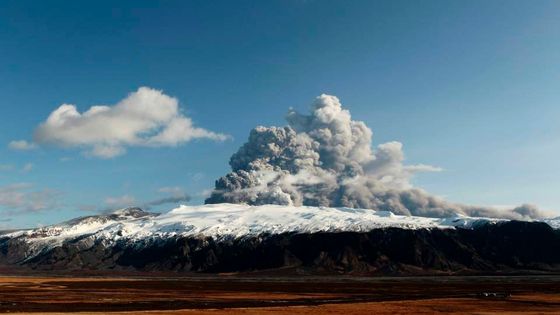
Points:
[(512, 246)]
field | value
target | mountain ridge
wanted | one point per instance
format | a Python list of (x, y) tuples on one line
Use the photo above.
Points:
[(241, 238)]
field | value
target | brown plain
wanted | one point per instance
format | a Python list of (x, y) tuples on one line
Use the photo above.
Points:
[(235, 294)]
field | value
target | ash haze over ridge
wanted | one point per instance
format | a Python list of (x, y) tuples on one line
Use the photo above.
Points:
[(326, 159)]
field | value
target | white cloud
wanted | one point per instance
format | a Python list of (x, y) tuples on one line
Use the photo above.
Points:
[(22, 145), (22, 197), (146, 118)]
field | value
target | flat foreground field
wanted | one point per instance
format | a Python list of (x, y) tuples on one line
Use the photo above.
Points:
[(269, 295)]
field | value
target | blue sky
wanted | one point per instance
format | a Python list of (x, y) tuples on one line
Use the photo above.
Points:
[(468, 86)]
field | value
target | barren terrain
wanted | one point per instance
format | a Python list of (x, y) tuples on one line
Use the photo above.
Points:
[(234, 294)]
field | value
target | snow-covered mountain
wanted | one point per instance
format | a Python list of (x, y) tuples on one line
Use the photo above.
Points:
[(116, 239), (236, 220)]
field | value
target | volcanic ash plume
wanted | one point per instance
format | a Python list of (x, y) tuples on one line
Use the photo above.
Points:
[(326, 159)]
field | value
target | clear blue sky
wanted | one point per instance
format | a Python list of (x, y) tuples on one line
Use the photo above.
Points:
[(469, 86)]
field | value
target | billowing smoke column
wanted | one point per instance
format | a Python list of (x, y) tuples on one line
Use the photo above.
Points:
[(326, 159)]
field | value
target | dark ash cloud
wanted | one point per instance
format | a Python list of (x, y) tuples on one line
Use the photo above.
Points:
[(326, 159)]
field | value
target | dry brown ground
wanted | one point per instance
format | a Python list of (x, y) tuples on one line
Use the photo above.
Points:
[(237, 295)]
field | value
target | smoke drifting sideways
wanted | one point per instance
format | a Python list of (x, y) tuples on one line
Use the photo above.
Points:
[(326, 159)]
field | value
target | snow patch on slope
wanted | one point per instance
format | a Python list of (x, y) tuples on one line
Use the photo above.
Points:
[(554, 222)]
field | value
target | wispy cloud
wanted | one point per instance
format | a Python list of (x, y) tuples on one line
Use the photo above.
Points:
[(120, 201), (421, 168), (205, 193), (22, 198), (6, 167), (22, 145), (175, 195), (172, 195), (28, 167)]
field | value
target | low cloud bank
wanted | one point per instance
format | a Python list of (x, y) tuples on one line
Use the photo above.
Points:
[(326, 159)]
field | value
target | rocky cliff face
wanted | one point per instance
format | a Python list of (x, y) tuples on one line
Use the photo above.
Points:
[(509, 246)]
